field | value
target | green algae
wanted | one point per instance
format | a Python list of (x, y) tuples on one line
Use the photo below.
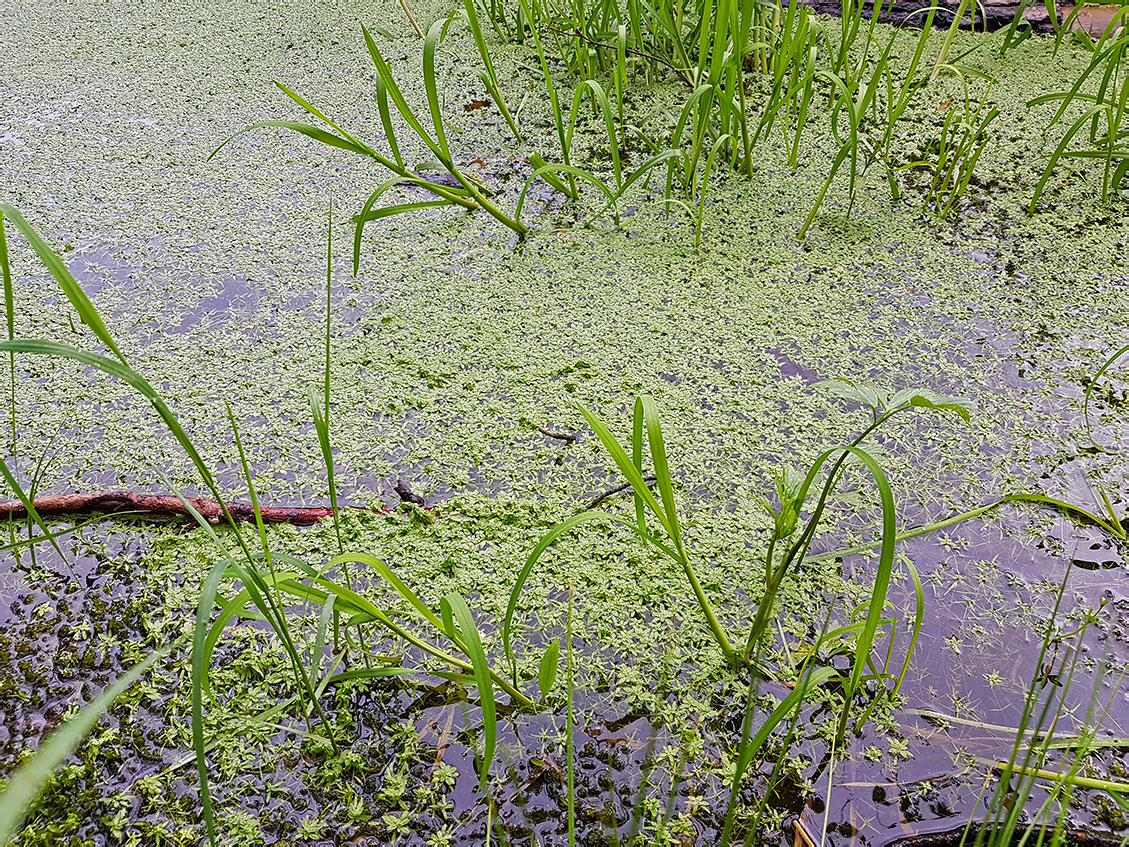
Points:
[(459, 343)]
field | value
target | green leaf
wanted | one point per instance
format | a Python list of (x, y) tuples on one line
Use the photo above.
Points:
[(456, 606), (857, 391), (547, 672), (946, 404)]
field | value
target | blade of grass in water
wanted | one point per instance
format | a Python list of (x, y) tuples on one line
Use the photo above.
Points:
[(29, 779), (1090, 390), (572, 172), (490, 77), (458, 608), (570, 765), (51, 260), (750, 746), (321, 413), (28, 503), (10, 315)]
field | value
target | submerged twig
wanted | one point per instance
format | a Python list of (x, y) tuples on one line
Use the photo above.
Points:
[(560, 436), (611, 492), (411, 18)]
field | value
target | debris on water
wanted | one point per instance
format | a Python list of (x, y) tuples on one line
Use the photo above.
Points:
[(404, 490)]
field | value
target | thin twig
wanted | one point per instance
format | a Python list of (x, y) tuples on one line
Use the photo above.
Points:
[(561, 436), (613, 491), (408, 12)]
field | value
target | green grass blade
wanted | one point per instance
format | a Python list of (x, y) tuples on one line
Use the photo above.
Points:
[(371, 673), (477, 655), (29, 779), (572, 171), (324, 623), (228, 611), (386, 119), (200, 672), (51, 260), (1079, 781), (539, 163), (368, 214), (749, 747), (918, 620), (398, 96), (601, 99), (490, 78), (313, 110), (321, 423), (131, 378), (29, 506), (1060, 150), (10, 315), (544, 544), (627, 468), (247, 476), (666, 490), (717, 145), (390, 577), (637, 461), (881, 586), (1090, 390), (1068, 508), (662, 470), (642, 170), (319, 135), (431, 88)]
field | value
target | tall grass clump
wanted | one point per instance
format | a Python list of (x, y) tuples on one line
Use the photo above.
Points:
[(1106, 136), (952, 154), (658, 526), (273, 587), (1030, 761), (713, 49), (459, 189)]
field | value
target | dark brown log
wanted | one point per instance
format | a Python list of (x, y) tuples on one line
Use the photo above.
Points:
[(157, 505), (991, 14)]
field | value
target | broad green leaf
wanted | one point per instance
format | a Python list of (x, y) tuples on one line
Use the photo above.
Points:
[(547, 672)]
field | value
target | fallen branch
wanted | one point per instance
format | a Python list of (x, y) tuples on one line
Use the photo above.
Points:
[(158, 505)]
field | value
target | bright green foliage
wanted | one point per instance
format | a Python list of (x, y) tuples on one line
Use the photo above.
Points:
[(1104, 115)]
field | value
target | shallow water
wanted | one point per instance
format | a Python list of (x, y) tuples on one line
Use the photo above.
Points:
[(449, 349)]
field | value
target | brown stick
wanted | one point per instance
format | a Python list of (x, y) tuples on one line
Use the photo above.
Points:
[(560, 436), (158, 505), (592, 504)]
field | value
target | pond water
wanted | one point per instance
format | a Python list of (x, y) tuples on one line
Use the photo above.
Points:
[(452, 349)]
